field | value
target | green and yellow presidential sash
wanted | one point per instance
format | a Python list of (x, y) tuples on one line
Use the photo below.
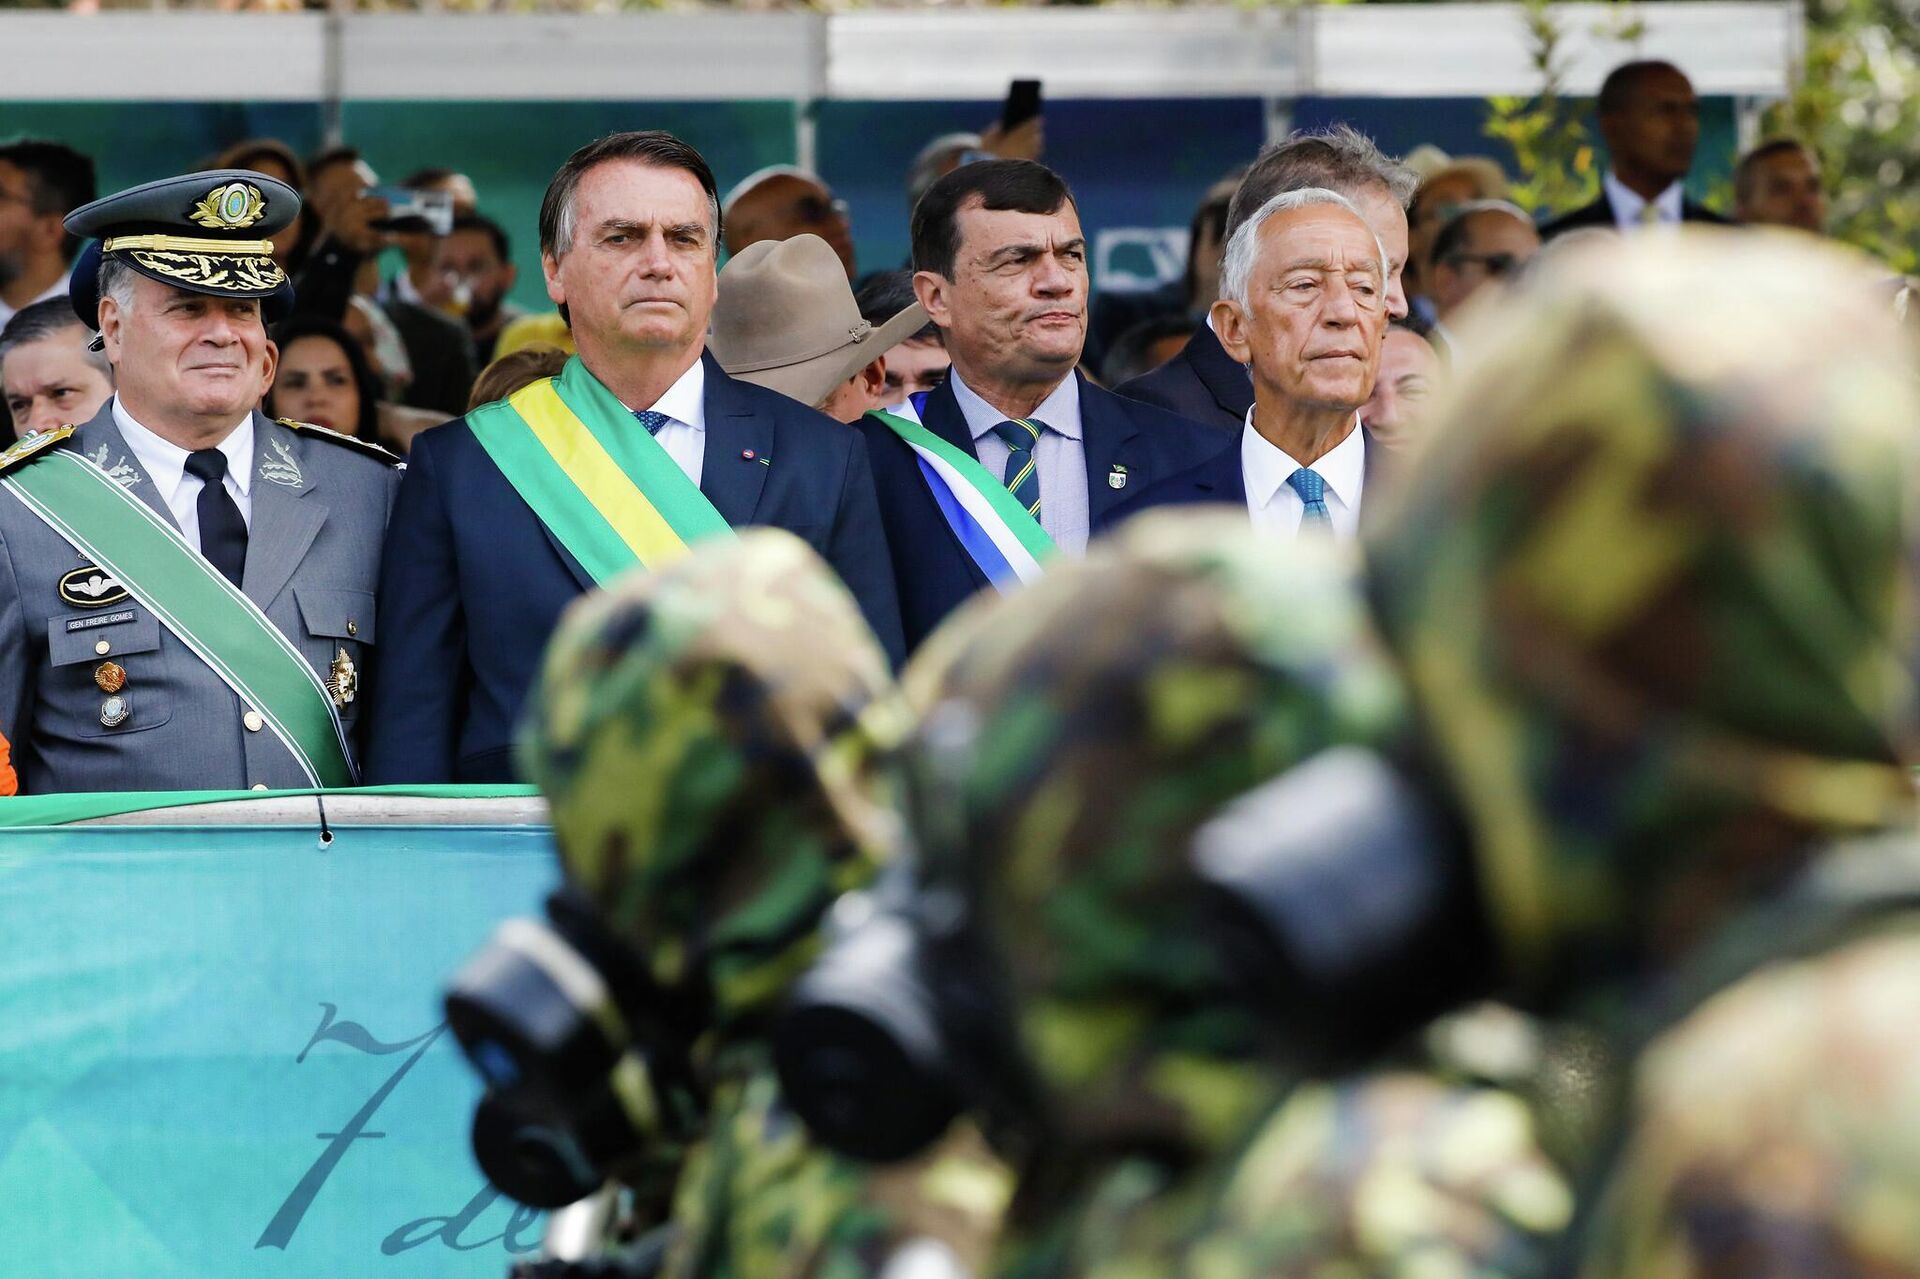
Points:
[(593, 475), (187, 594)]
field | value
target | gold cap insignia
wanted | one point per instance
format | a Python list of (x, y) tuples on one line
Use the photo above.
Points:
[(231, 207)]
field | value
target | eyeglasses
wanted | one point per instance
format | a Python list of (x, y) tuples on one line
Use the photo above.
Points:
[(1497, 265), (817, 210)]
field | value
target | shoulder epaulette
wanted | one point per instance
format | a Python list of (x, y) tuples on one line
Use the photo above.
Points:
[(33, 446), (353, 442)]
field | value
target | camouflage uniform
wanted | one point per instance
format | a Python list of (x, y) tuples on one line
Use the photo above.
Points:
[(1074, 736), (709, 738), (1652, 596)]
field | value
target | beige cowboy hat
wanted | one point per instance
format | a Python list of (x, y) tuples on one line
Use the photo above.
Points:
[(786, 320)]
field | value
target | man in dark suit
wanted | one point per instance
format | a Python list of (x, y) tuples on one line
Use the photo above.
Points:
[(1305, 304), (1650, 121), (1203, 382), (629, 231), (1001, 266)]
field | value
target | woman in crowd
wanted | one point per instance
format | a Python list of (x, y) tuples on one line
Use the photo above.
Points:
[(324, 378)]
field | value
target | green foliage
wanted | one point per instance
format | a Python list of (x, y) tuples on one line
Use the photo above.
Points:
[(1858, 106), (1551, 147)]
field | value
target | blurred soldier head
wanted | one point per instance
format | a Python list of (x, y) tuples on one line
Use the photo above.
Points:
[(1778, 184), (712, 782), (48, 374), (1650, 120), (1653, 591), (1072, 739)]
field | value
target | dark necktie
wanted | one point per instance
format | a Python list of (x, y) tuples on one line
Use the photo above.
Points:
[(223, 534)]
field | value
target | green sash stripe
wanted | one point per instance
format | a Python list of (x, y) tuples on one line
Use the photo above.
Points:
[(1019, 520), (557, 500), (193, 600)]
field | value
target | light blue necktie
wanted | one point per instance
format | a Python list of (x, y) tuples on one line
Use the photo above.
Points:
[(1313, 494), (652, 421)]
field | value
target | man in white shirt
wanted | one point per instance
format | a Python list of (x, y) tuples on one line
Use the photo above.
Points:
[(1649, 118), (1304, 305), (40, 183)]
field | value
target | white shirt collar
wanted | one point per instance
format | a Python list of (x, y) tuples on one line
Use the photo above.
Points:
[(1265, 467), (686, 400), (1627, 204), (1060, 410), (166, 462)]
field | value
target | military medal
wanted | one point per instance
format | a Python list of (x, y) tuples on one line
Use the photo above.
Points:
[(110, 677), (113, 711), (342, 680)]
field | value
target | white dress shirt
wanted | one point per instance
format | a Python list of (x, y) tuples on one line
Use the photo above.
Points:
[(684, 436), (1060, 456), (166, 465), (1628, 207), (1277, 507)]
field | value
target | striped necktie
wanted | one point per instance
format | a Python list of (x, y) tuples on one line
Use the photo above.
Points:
[(1313, 495), (1021, 435)]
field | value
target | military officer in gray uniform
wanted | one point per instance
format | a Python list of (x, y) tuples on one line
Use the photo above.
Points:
[(150, 644)]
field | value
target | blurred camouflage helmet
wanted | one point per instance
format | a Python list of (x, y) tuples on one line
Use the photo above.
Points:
[(1075, 734), (1652, 588), (707, 737)]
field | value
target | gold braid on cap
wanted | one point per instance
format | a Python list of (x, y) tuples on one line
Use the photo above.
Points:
[(185, 244)]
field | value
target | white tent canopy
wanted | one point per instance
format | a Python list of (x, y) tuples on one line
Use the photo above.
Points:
[(1742, 48)]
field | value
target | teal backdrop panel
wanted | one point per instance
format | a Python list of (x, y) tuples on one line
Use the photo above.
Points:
[(222, 1052)]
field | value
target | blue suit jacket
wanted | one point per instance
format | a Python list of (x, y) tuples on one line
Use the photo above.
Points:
[(931, 570), (1220, 479), (1202, 383), (473, 583)]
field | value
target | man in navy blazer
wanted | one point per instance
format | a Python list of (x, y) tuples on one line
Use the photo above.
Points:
[(473, 581), (1305, 303), (1001, 267), (1203, 382), (1649, 118)]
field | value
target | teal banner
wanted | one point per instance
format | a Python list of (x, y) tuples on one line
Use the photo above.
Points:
[(222, 1052)]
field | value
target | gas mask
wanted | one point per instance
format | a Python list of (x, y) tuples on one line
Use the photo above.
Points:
[(586, 1059)]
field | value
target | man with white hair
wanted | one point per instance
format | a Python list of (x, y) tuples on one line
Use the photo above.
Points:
[(1304, 304)]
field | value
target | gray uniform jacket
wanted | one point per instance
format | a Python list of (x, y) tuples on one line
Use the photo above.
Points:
[(319, 512)]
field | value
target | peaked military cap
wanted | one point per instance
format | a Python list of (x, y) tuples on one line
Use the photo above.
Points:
[(204, 232)]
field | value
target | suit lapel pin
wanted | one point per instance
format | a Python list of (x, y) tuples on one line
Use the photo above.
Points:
[(1117, 477)]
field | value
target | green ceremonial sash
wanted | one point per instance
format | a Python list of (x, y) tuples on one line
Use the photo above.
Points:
[(593, 475), (999, 534), (194, 600)]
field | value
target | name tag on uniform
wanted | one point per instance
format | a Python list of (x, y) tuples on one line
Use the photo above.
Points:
[(105, 619)]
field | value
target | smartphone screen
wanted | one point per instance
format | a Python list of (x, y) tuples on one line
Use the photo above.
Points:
[(1023, 103)]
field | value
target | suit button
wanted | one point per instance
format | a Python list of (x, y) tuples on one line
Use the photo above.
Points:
[(258, 786), (103, 648), (254, 724), (353, 627)]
